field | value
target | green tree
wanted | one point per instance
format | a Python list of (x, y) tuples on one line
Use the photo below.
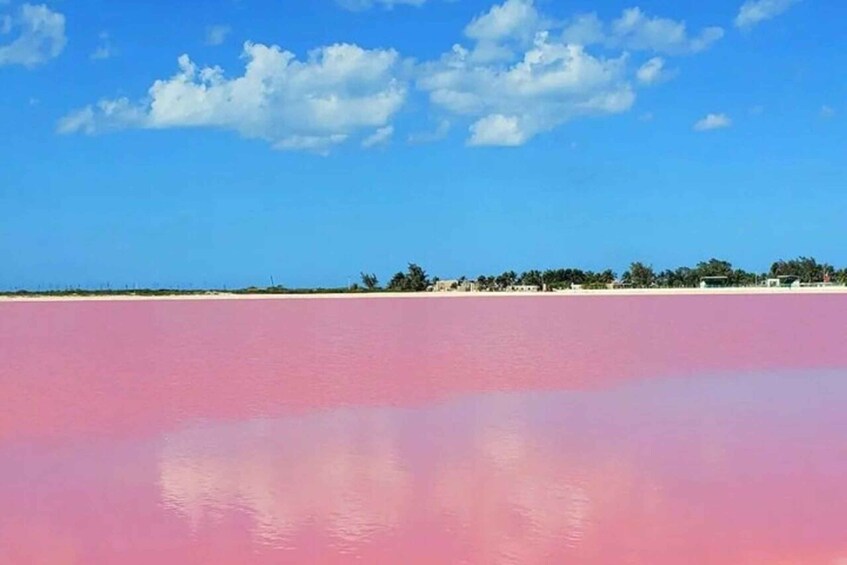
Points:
[(416, 278), (555, 278), (506, 280), (684, 277), (398, 283), (715, 268), (642, 275), (531, 278), (485, 282), (413, 280), (741, 277), (665, 279), (807, 268), (606, 277), (370, 281)]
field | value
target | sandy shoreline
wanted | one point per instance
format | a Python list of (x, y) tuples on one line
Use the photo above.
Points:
[(440, 295)]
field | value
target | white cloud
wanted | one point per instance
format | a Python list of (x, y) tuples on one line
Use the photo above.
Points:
[(753, 12), (317, 143), (585, 29), (550, 84), (360, 5), (217, 34), (105, 115), (827, 111), (713, 121), (503, 29), (521, 74), (635, 30), (336, 92), (40, 36), (652, 71), (104, 50), (379, 137), (81, 120), (497, 129), (512, 18)]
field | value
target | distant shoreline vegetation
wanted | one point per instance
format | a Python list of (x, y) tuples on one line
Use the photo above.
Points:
[(803, 270)]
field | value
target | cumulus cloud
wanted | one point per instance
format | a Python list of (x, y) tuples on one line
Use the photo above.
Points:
[(525, 73), (360, 5), (338, 91), (713, 121), (514, 88), (497, 129), (517, 73), (217, 34), (504, 29), (513, 17), (379, 137), (753, 12), (39, 35), (637, 31), (552, 84), (652, 71)]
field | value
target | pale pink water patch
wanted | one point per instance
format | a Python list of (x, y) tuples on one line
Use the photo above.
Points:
[(698, 429)]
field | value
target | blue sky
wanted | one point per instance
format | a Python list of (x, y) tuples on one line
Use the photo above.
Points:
[(225, 142)]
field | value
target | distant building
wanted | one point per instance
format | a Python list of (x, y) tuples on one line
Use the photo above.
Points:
[(714, 282), (448, 285), (469, 286), (784, 281), (452, 285), (524, 288)]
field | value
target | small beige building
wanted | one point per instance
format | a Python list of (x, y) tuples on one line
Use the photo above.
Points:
[(452, 285)]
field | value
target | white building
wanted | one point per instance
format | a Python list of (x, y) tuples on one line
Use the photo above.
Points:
[(784, 281), (524, 288)]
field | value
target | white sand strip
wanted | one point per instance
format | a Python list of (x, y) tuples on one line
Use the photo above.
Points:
[(441, 295)]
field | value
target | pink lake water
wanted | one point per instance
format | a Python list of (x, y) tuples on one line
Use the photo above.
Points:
[(620, 430)]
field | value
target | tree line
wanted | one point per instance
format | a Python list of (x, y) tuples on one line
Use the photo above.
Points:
[(639, 275), (415, 279), (806, 269)]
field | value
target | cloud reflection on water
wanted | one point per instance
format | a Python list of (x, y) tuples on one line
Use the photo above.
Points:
[(338, 469), (651, 472)]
